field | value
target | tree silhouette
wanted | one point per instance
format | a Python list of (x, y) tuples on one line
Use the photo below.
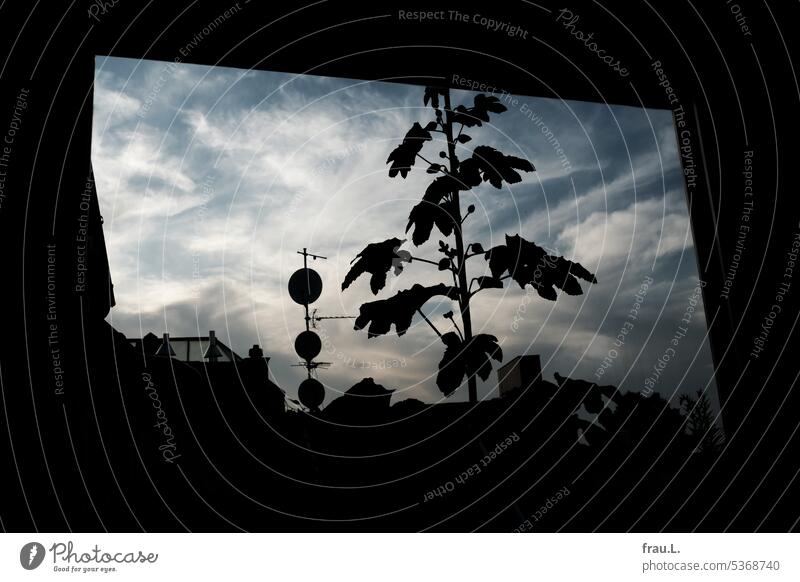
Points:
[(701, 423), (523, 261)]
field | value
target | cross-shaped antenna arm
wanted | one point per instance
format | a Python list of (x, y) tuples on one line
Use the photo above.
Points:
[(305, 253)]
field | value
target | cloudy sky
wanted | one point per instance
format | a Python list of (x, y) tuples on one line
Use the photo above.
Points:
[(210, 180)]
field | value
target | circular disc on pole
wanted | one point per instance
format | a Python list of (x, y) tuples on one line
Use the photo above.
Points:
[(311, 393), (308, 345), (305, 286)]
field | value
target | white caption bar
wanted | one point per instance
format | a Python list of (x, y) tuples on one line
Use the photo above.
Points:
[(400, 557)]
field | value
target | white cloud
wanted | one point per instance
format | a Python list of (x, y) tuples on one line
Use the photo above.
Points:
[(643, 229)]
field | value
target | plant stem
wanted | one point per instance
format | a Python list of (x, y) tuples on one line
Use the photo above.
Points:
[(463, 286), (430, 163), (413, 258), (433, 327), (461, 335)]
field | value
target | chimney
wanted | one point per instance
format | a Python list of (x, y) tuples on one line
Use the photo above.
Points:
[(268, 398), (165, 349), (256, 355), (213, 353)]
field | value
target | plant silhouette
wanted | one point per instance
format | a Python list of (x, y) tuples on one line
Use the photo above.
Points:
[(398, 310), (466, 358), (440, 207), (377, 259)]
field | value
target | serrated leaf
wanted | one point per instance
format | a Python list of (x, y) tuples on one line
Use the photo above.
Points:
[(441, 187), (530, 264), (467, 117), (434, 210), (495, 166), (488, 103), (377, 259), (398, 310), (432, 95), (498, 260), (546, 292), (425, 215), (402, 257), (469, 173), (479, 112), (466, 359), (404, 155)]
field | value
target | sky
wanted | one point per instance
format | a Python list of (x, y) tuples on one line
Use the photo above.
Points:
[(211, 179)]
